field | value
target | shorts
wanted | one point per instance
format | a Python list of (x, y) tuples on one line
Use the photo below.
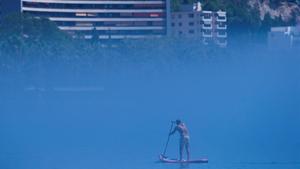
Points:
[(185, 140)]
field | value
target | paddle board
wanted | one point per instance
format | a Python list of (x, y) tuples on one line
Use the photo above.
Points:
[(167, 160)]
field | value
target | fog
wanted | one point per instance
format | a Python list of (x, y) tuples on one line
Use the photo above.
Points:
[(241, 107)]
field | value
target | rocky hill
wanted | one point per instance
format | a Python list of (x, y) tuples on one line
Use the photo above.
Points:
[(254, 14), (284, 9)]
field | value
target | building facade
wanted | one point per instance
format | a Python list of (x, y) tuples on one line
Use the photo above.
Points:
[(104, 19), (284, 37), (192, 22), (1, 12)]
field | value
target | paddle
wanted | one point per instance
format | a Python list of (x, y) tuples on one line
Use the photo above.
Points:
[(168, 140)]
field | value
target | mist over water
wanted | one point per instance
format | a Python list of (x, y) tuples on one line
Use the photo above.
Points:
[(242, 111)]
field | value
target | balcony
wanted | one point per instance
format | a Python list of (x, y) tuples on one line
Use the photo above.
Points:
[(205, 41), (221, 19), (207, 26), (222, 34), (221, 26), (221, 16), (64, 19), (207, 16), (78, 10), (222, 42), (207, 19), (207, 34), (128, 36), (98, 2)]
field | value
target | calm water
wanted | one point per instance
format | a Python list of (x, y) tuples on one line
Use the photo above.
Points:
[(240, 116)]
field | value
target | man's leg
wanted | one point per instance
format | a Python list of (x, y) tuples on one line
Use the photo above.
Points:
[(187, 148), (181, 147)]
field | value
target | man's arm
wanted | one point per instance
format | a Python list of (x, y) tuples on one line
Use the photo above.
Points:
[(175, 129)]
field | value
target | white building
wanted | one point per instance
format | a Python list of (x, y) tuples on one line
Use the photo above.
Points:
[(105, 19), (1, 12), (192, 22), (284, 37)]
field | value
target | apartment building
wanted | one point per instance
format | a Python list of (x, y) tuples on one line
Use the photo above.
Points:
[(284, 37), (1, 12), (193, 22), (186, 22), (105, 19)]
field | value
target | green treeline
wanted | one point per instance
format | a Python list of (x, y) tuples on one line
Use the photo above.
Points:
[(28, 43)]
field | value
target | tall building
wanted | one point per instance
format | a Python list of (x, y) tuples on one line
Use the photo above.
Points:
[(186, 22), (104, 19), (1, 14), (0, 11), (190, 21)]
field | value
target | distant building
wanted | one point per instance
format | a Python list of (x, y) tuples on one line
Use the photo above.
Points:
[(193, 22), (284, 37), (1, 12), (104, 19)]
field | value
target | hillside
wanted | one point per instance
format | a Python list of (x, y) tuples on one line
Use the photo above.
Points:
[(286, 10), (253, 14)]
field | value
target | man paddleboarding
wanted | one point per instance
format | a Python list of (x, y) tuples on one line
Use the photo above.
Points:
[(184, 141)]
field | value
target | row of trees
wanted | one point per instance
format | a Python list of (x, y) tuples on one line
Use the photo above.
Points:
[(36, 47), (28, 43)]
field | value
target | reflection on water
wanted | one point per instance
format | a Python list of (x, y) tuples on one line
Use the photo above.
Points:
[(184, 166), (228, 166)]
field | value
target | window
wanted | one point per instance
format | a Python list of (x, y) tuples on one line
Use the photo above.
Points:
[(86, 24), (125, 14), (154, 15), (157, 23), (191, 31), (179, 24), (207, 25), (91, 14), (142, 23), (191, 15), (207, 16), (222, 17), (191, 23), (173, 24), (221, 24), (221, 32), (81, 14), (207, 32)]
